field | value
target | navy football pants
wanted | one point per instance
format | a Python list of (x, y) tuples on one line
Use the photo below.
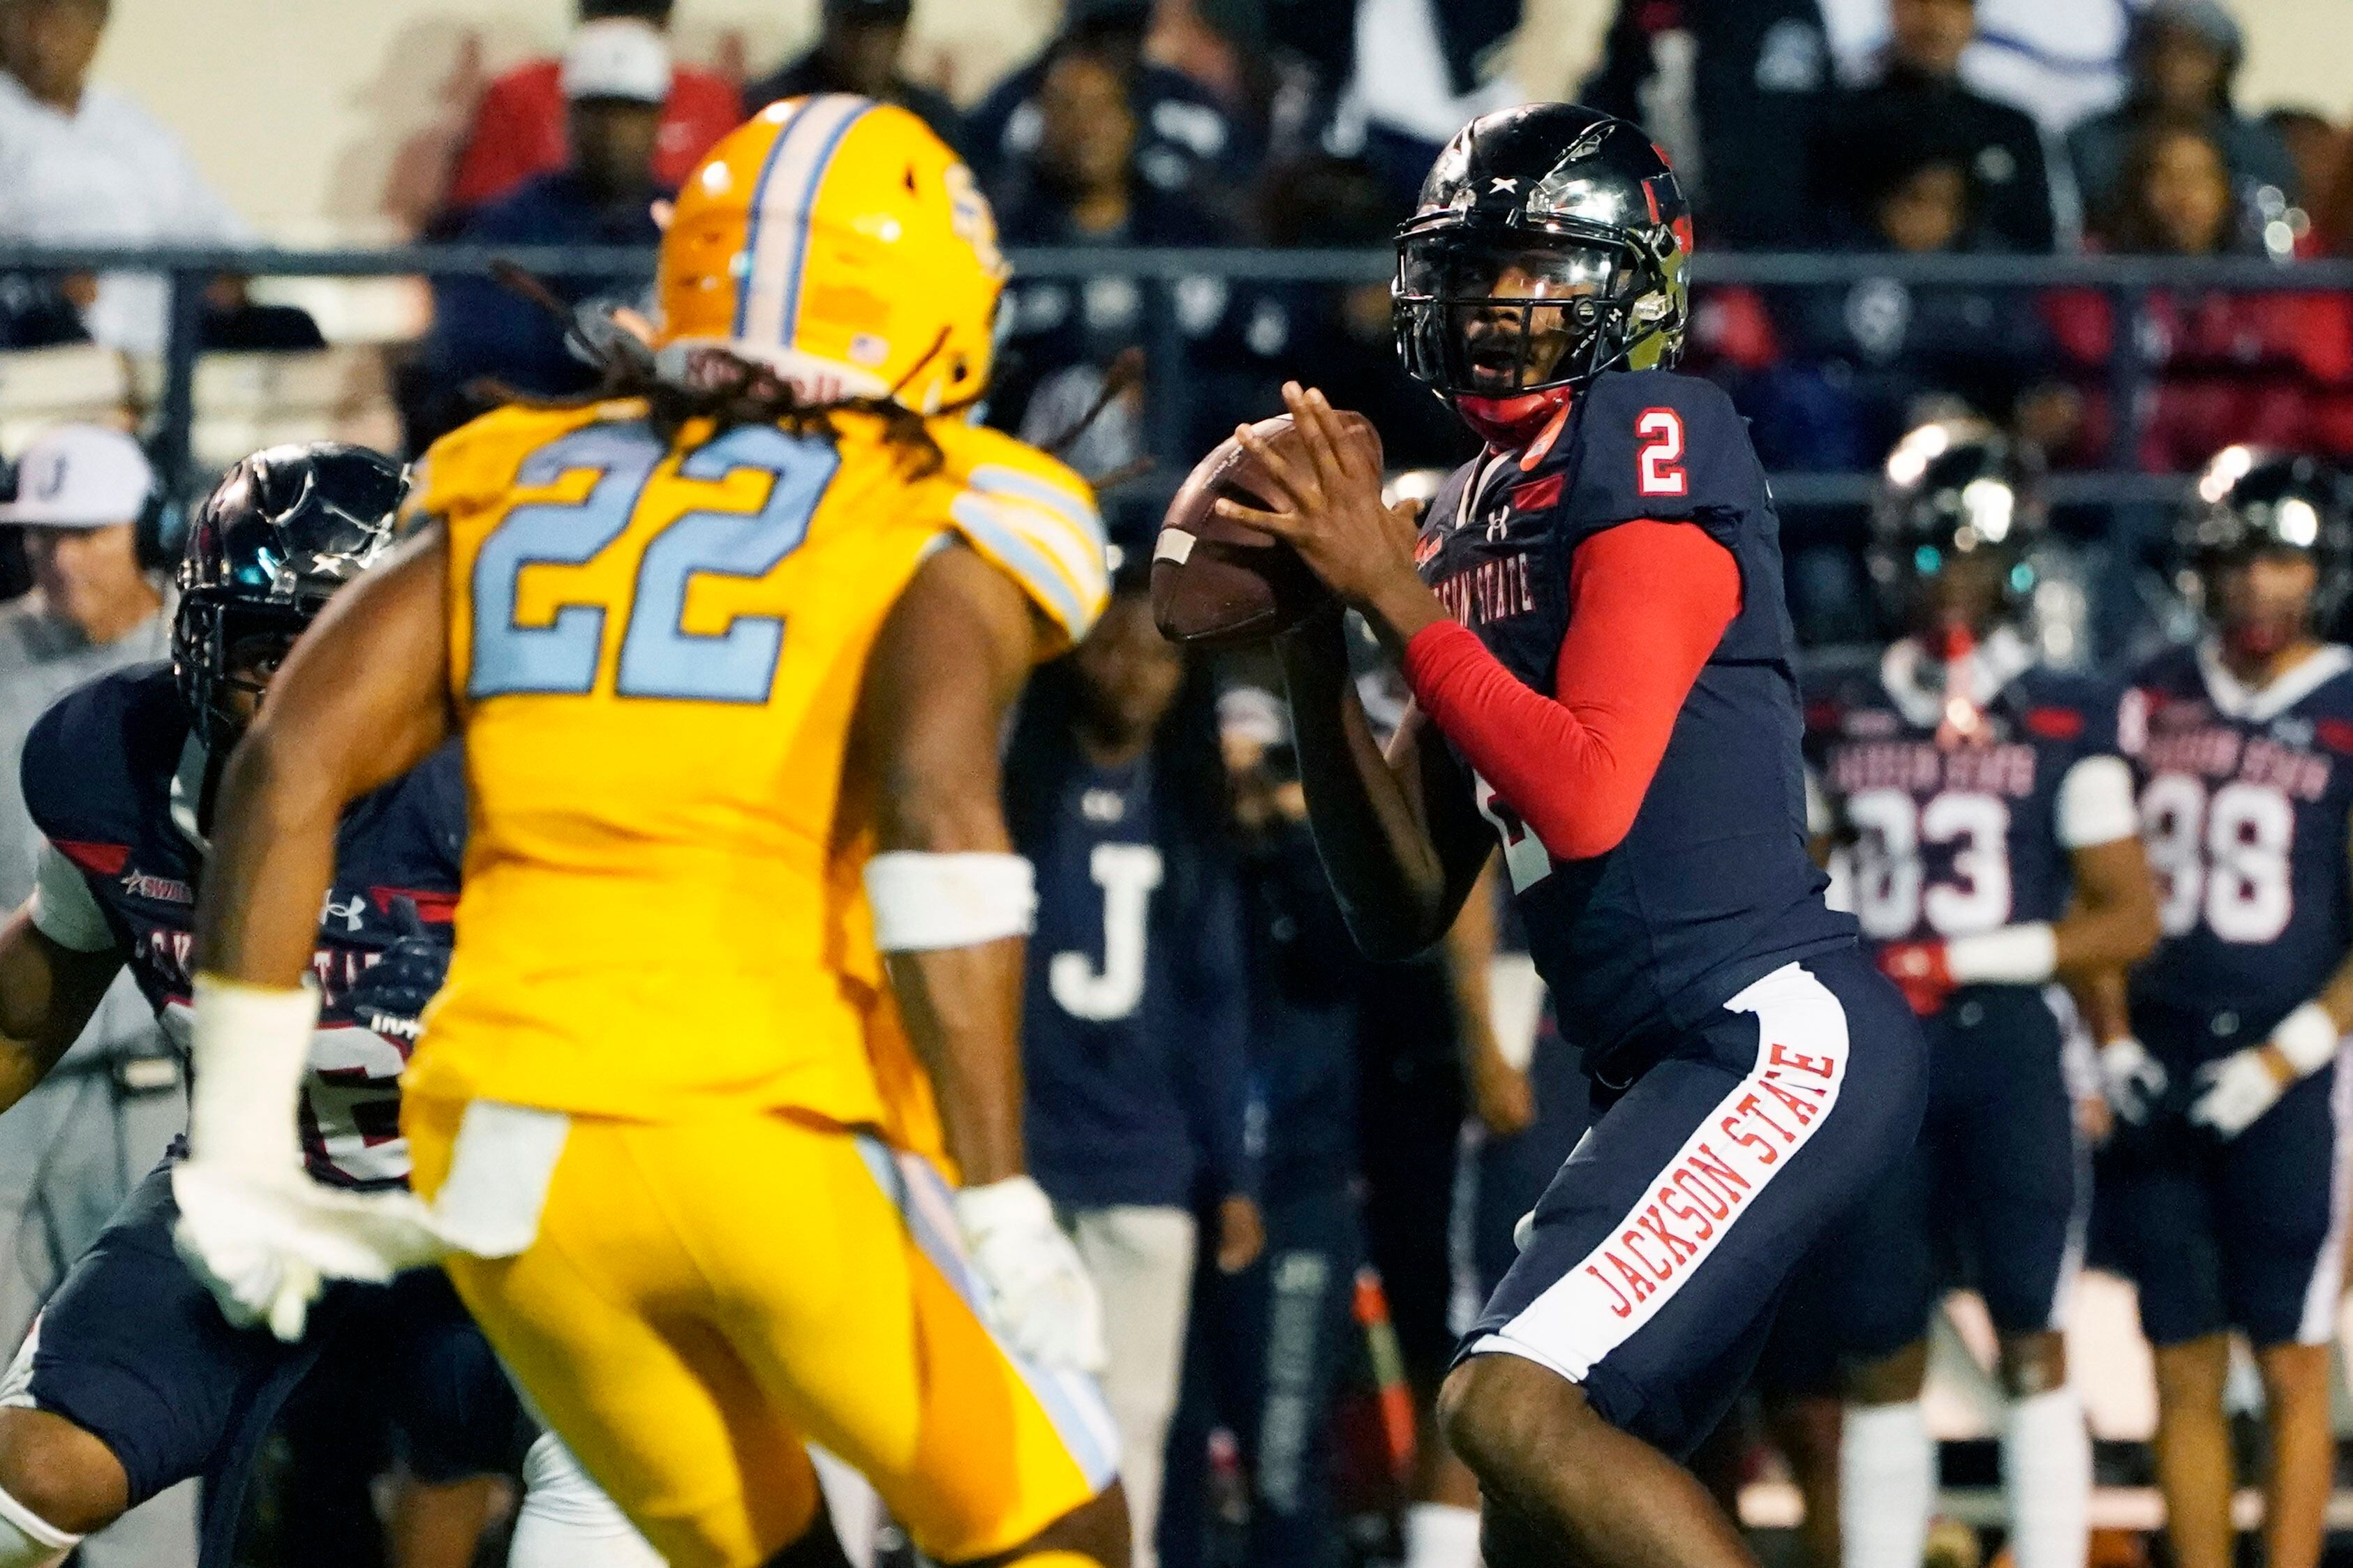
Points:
[(1663, 1248), (2000, 1170), (2248, 1233), (132, 1349)]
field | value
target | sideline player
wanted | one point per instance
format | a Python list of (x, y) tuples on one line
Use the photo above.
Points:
[(1995, 850), (729, 658), (130, 1381), (2227, 1176), (1600, 665)]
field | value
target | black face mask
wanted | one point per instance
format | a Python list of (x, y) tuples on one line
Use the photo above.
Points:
[(1484, 317)]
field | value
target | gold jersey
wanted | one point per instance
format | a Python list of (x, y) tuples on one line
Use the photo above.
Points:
[(656, 649)]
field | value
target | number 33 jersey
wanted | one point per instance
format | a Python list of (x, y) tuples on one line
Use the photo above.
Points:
[(655, 650), (2245, 796), (1947, 841)]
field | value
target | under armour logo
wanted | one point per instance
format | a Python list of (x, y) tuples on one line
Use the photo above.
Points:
[(1502, 186), (349, 913)]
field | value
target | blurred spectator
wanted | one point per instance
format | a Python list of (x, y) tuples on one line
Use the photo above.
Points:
[(2315, 146), (81, 163), (1183, 139), (1081, 186), (71, 1148), (1835, 375), (1272, 1345), (2260, 368), (1134, 1026), (1422, 74), (2057, 59), (1919, 86), (2183, 55), (1343, 338), (520, 126), (1729, 88), (614, 78), (858, 52)]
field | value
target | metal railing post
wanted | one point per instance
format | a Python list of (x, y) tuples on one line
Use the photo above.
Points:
[(172, 447), (1168, 377)]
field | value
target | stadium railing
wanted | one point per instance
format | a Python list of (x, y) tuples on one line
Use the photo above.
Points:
[(2129, 281)]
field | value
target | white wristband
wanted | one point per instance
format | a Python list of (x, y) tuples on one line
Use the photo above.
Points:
[(923, 902), (251, 1045), (2014, 955), (2307, 1037)]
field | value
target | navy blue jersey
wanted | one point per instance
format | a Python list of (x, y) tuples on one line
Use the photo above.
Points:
[(1954, 840), (2245, 797), (1132, 1029), (1711, 888), (112, 778)]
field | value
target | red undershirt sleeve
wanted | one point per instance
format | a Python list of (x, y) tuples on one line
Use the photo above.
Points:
[(1648, 604)]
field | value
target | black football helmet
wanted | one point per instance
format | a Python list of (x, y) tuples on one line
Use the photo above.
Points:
[(278, 536), (1952, 491), (1552, 243), (2251, 500)]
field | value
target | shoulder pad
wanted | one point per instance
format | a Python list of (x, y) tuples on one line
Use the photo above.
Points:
[(85, 758), (1033, 519), (1654, 444)]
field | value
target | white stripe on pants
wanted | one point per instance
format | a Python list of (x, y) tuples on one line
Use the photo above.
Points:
[(1142, 1260)]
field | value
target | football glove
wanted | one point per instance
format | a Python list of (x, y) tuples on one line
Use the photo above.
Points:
[(264, 1244), (1037, 1291), (1920, 971), (2233, 1094), (2133, 1080), (390, 994)]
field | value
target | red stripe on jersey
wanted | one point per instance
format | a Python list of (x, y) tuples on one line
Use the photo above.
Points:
[(1539, 494), (98, 859), (2334, 733), (2054, 724), (432, 908)]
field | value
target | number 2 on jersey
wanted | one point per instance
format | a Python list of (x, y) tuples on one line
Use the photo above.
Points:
[(659, 658), (1661, 472)]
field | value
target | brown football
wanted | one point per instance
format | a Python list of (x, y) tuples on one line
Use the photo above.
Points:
[(1215, 580)]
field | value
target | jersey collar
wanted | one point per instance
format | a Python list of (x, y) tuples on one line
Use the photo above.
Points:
[(189, 791), (1907, 672), (2234, 699)]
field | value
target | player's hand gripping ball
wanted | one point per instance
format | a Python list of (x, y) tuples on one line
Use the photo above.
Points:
[(1215, 580)]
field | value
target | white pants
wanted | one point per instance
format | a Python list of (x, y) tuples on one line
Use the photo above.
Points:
[(1142, 1260)]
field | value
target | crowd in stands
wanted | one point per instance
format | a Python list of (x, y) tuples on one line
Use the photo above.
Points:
[(1281, 123)]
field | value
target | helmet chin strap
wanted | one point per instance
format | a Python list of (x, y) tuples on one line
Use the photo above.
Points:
[(1508, 424), (2258, 639)]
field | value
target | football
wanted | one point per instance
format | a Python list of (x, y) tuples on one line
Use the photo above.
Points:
[(1217, 581)]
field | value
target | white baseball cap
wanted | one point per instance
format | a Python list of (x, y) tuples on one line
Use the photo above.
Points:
[(80, 475), (617, 57)]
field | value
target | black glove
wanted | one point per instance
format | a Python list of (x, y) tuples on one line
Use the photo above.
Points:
[(391, 993)]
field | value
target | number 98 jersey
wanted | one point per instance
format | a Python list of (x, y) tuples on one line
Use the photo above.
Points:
[(2245, 796), (1951, 840), (656, 649)]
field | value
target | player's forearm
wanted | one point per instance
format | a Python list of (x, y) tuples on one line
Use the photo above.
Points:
[(2100, 996), (963, 1009), (1470, 950), (48, 994), (1377, 852), (273, 862), (2112, 923)]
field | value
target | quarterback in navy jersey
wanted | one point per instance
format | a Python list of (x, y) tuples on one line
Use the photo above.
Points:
[(1590, 617), (131, 1380), (2228, 1186), (1987, 829)]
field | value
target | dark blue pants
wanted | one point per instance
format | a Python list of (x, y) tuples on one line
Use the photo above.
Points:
[(1267, 1353), (1995, 1195), (133, 1351), (1663, 1248)]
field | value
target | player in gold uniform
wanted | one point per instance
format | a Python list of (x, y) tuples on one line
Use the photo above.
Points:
[(730, 658)]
